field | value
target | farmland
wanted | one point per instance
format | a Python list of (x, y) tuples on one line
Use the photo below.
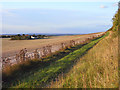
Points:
[(11, 47)]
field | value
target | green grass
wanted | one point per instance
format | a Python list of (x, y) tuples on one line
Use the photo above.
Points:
[(43, 75), (98, 68), (17, 72)]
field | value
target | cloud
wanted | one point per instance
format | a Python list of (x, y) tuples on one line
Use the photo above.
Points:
[(103, 6)]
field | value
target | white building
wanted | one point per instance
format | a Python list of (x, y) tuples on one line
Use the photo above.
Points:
[(33, 37)]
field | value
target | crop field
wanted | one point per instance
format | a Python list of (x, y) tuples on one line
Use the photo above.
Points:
[(11, 47)]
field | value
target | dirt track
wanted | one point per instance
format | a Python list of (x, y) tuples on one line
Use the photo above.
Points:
[(11, 47)]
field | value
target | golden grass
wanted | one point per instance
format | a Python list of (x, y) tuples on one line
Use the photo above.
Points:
[(97, 69)]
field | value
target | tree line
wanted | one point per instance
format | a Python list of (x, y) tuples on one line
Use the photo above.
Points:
[(24, 37)]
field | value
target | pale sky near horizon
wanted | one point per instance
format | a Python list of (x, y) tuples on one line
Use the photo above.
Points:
[(59, 0), (57, 17)]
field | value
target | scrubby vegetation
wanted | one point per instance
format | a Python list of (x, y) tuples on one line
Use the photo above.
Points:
[(116, 24)]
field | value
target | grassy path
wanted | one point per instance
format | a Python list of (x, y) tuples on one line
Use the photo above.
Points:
[(46, 74)]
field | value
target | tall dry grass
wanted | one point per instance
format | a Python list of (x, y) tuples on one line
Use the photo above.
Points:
[(97, 69)]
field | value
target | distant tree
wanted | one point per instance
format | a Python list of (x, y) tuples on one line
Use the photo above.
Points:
[(18, 35), (115, 22), (29, 37), (25, 37), (34, 35), (5, 36)]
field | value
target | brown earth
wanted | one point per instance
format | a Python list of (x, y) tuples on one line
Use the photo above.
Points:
[(11, 47)]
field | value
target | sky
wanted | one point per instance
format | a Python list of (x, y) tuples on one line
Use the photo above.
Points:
[(59, 1), (57, 17)]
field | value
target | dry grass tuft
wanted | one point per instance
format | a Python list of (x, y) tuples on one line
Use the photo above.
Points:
[(97, 69)]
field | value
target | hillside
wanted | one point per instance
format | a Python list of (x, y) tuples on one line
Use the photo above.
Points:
[(98, 68)]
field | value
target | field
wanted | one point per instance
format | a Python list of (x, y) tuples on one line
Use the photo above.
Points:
[(11, 47)]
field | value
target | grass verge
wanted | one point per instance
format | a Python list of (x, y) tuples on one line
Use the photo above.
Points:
[(98, 68)]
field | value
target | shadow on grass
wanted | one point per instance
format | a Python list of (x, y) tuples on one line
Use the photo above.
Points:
[(64, 70), (61, 61), (27, 68)]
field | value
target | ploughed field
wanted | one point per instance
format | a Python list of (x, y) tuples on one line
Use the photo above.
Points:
[(11, 47)]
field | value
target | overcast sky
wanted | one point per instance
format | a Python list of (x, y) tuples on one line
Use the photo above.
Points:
[(57, 17)]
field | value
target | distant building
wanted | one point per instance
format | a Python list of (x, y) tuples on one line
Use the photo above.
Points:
[(45, 37), (32, 37)]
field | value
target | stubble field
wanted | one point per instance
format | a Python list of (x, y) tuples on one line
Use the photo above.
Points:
[(11, 47)]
